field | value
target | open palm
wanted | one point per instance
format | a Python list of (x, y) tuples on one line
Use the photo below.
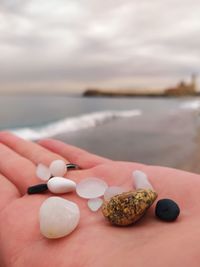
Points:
[(95, 242)]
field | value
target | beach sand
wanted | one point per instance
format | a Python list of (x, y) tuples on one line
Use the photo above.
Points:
[(172, 141)]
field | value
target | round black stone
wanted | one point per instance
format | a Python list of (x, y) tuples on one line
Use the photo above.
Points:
[(167, 210), (36, 189)]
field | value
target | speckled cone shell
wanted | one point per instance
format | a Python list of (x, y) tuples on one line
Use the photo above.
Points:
[(128, 207)]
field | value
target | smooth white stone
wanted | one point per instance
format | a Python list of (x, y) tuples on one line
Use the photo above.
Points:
[(95, 203), (58, 168), (113, 191), (91, 188), (60, 185), (58, 217), (140, 180), (43, 172)]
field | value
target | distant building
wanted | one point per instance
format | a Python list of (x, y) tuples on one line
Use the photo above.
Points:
[(183, 88)]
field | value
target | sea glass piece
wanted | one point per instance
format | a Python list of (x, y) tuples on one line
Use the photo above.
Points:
[(91, 188), (112, 191), (58, 168), (43, 172), (140, 180), (95, 204)]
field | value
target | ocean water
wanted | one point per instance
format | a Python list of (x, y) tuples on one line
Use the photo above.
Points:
[(161, 131), (35, 111)]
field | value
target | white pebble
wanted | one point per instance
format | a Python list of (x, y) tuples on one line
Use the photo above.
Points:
[(60, 185), (140, 180), (58, 168), (58, 217), (112, 191), (91, 188), (43, 172), (95, 204)]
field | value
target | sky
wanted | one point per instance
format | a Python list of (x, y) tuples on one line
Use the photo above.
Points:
[(70, 45)]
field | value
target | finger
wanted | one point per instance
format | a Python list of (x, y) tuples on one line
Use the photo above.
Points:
[(19, 170), (73, 154), (32, 151), (8, 192)]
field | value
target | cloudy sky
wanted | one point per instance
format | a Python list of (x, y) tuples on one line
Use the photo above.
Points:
[(74, 44)]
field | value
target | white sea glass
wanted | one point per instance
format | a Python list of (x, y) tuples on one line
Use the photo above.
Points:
[(91, 188), (140, 180), (58, 217), (95, 204), (112, 191), (43, 172), (60, 185), (58, 168)]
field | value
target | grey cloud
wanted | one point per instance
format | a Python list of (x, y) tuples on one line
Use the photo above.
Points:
[(13, 6), (25, 42), (186, 43), (145, 41), (86, 71)]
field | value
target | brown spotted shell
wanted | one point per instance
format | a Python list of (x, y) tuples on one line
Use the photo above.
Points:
[(128, 207)]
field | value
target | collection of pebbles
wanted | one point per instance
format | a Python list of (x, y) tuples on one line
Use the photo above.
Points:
[(59, 217)]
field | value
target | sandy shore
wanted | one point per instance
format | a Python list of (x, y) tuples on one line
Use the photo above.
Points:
[(173, 141)]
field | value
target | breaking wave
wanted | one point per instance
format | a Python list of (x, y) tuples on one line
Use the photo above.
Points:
[(73, 124), (191, 105)]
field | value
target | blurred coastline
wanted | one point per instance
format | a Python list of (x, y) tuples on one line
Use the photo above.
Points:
[(157, 131), (180, 90)]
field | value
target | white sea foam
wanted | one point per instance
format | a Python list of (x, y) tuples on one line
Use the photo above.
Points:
[(73, 124), (191, 105)]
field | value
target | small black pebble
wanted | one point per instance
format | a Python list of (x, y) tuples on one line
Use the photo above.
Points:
[(72, 166), (167, 210), (35, 189)]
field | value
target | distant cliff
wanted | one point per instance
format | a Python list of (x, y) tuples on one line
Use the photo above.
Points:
[(120, 93), (182, 89)]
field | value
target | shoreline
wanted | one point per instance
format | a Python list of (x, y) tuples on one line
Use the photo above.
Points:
[(117, 141)]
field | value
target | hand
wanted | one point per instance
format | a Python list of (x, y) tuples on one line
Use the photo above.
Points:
[(95, 243)]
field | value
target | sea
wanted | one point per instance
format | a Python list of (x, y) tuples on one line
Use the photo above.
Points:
[(156, 131)]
